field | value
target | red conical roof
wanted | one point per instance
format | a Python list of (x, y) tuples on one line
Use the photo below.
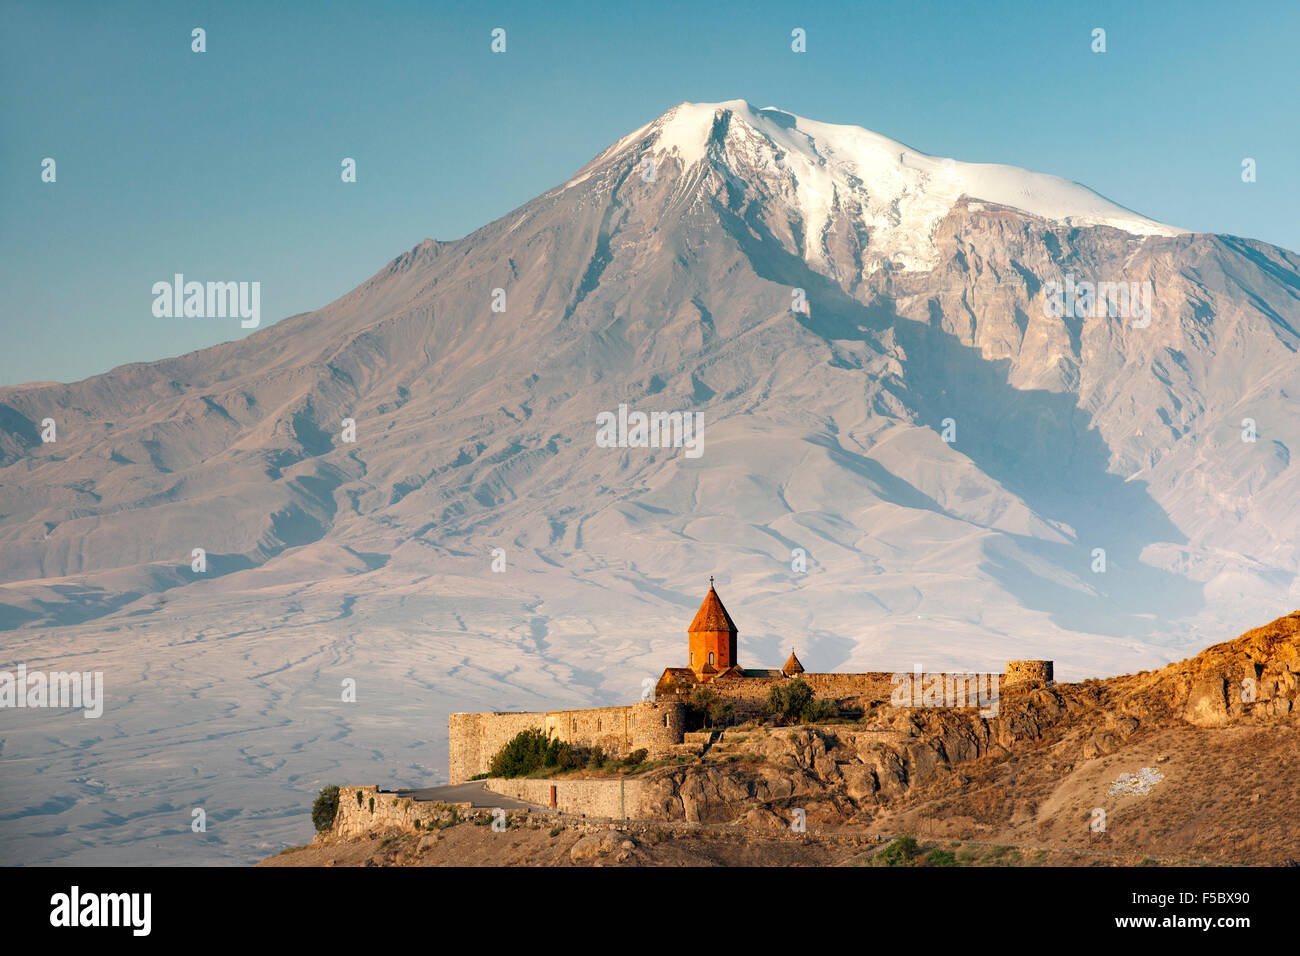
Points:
[(792, 666), (712, 616)]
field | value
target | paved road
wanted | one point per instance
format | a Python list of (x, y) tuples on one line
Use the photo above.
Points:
[(473, 793)]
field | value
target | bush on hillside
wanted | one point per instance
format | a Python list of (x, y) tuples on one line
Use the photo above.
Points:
[(326, 808), (902, 852), (709, 710), (521, 755), (792, 701)]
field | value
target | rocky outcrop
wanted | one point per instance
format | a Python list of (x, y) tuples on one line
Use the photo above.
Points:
[(848, 772), (608, 844), (1256, 676)]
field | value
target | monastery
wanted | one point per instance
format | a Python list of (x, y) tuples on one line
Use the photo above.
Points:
[(659, 725)]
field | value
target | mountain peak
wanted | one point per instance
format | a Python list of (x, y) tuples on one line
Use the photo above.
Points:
[(830, 173)]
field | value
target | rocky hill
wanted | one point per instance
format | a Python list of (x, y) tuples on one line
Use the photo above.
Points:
[(1191, 763)]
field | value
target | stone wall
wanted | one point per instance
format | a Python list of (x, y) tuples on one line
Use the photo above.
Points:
[(658, 725), (609, 728), (356, 818), (1028, 672), (749, 694), (475, 738), (613, 799), (616, 799)]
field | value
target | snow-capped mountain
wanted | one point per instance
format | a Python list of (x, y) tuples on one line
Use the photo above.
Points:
[(850, 188), (668, 274), (887, 396)]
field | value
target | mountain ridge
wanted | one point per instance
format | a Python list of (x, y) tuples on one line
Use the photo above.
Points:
[(269, 406)]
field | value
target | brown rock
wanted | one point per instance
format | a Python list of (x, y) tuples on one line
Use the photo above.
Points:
[(761, 818), (1207, 704), (859, 781), (593, 846)]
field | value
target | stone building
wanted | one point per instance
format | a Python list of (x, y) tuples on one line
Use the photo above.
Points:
[(711, 638), (712, 659), (659, 726)]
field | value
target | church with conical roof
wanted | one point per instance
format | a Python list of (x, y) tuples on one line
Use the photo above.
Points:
[(713, 661), (712, 638), (659, 725), (711, 652)]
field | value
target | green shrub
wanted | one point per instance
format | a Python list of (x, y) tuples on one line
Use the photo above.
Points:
[(325, 808), (940, 858), (563, 756), (701, 698), (708, 710), (819, 709), (722, 713), (372, 804), (358, 798), (786, 700), (521, 755), (793, 700), (902, 852)]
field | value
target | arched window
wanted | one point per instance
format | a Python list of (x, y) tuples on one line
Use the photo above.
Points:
[(665, 720), (692, 658), (710, 657)]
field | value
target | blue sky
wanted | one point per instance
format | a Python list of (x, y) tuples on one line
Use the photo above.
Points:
[(225, 165)]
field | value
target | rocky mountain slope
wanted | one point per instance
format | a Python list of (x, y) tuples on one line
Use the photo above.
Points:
[(833, 304), (1191, 763), (925, 284)]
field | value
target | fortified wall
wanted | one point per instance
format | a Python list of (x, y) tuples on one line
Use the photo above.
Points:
[(655, 726), (1028, 672), (659, 726), (748, 694), (368, 809)]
